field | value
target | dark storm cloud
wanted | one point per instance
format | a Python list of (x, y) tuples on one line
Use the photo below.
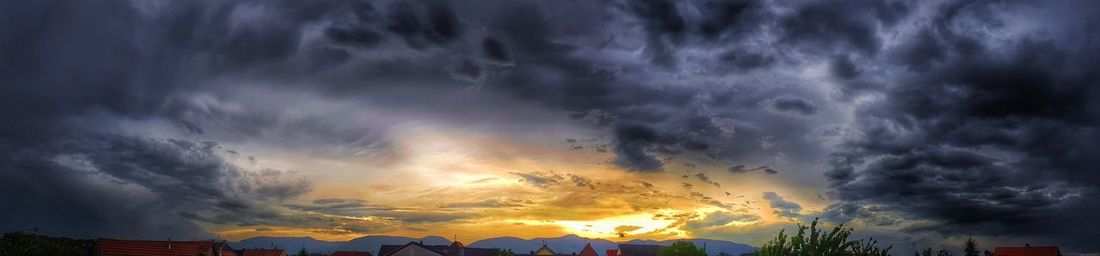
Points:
[(494, 49), (133, 187), (632, 143), (354, 36), (983, 136), (792, 105), (843, 68), (424, 22), (742, 60), (842, 25), (970, 119), (73, 180)]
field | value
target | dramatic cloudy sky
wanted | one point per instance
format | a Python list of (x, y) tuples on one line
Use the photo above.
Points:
[(919, 123)]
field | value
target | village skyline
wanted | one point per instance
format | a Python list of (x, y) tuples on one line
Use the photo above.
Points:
[(31, 244)]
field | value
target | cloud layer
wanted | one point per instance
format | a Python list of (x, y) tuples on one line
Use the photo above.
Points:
[(154, 118)]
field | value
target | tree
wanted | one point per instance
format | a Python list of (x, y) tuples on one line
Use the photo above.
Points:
[(505, 253), (20, 244), (926, 252), (302, 252), (681, 248), (971, 247), (819, 243)]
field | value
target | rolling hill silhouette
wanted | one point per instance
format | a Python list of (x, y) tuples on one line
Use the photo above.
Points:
[(564, 244)]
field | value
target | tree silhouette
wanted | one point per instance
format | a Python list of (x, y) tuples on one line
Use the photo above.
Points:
[(819, 243), (681, 248), (19, 244), (971, 248), (928, 252)]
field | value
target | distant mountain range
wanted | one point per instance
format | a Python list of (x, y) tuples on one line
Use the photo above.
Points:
[(564, 245), (572, 243), (366, 243)]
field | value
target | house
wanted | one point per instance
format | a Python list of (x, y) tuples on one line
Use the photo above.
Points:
[(1027, 250), (638, 249), (263, 252), (544, 251), (409, 249), (350, 253), (588, 251), (117, 247), (419, 249)]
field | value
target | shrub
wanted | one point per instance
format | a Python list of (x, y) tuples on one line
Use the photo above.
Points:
[(811, 241)]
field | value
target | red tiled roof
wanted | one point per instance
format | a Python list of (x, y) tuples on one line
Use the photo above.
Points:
[(114, 247), (227, 252), (264, 252), (1027, 251), (588, 251), (350, 253), (457, 244)]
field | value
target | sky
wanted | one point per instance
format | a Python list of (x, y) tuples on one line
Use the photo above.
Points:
[(918, 123)]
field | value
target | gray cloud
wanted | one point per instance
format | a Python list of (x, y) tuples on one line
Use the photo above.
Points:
[(354, 208), (582, 181), (783, 207), (720, 218), (740, 168), (488, 203), (788, 104), (706, 179), (540, 179)]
